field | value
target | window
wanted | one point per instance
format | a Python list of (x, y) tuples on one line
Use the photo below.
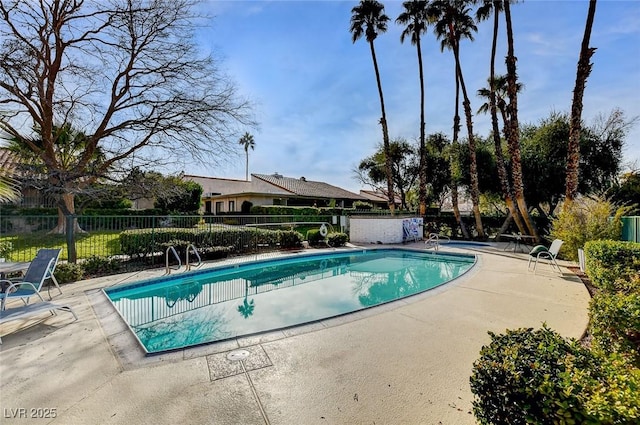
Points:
[(232, 206), (219, 206), (207, 207)]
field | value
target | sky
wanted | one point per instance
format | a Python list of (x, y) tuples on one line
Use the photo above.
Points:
[(315, 95)]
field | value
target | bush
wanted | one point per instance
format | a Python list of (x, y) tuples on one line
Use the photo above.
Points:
[(314, 237), (586, 220), (523, 377), (337, 239), (68, 272), (99, 266), (290, 239), (612, 265), (5, 249), (615, 324)]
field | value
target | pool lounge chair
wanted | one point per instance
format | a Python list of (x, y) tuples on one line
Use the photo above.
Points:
[(34, 309), (541, 252), (40, 269)]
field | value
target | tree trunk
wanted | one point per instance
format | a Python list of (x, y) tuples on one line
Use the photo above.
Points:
[(454, 173), (514, 130), (583, 72), (68, 224), (385, 135), (505, 185), (422, 186), (473, 164)]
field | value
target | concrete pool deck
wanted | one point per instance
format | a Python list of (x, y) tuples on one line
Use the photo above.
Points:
[(407, 362)]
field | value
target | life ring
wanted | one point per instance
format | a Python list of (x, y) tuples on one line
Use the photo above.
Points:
[(323, 230)]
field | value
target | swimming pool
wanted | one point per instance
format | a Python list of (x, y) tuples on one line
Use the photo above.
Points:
[(211, 305)]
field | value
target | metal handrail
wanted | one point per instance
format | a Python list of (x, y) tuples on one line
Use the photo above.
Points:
[(175, 254), (187, 264), (434, 238)]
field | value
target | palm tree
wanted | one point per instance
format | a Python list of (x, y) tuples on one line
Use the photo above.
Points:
[(452, 23), (247, 142), (9, 187), (368, 19), (491, 93), (415, 19), (584, 70), (513, 133)]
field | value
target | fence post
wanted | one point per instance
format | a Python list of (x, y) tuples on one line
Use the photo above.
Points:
[(72, 255)]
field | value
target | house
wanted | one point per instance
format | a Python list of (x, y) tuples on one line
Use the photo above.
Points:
[(31, 186), (222, 195), (378, 199)]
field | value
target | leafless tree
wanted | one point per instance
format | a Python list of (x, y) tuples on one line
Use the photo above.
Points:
[(126, 73)]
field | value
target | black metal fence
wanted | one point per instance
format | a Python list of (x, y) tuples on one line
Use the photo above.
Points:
[(132, 240)]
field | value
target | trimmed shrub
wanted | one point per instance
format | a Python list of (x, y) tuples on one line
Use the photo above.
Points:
[(612, 265), (99, 266), (68, 272), (5, 249), (314, 237), (615, 323), (290, 239), (522, 377), (337, 239)]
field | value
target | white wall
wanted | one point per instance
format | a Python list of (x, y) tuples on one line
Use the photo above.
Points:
[(373, 230)]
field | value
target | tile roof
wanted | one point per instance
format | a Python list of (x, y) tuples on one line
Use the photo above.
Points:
[(308, 188)]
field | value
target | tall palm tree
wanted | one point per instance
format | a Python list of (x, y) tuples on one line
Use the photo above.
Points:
[(452, 23), (513, 135), (368, 19), (415, 19), (584, 70), (247, 142), (454, 163)]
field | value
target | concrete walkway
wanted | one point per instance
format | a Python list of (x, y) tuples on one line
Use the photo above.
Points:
[(408, 362)]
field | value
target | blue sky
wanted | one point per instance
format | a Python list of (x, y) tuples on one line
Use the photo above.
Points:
[(315, 93)]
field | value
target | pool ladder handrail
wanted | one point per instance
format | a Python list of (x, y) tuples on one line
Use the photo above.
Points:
[(434, 238), (166, 256), (191, 247)]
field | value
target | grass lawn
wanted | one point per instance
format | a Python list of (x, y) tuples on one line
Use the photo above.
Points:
[(25, 246)]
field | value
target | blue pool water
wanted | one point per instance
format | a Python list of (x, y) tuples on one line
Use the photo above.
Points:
[(216, 304)]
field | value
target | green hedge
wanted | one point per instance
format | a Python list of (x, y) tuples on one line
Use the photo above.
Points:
[(611, 265), (144, 242), (615, 324)]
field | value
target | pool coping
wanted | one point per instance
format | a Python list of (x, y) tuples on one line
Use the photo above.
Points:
[(132, 354)]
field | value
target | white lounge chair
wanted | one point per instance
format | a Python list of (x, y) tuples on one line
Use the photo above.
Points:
[(541, 252), (35, 309), (40, 269)]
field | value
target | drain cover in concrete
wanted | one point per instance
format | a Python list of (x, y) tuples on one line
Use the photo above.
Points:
[(238, 355), (223, 365)]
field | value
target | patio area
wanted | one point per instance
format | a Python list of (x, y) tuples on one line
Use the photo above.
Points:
[(405, 362)]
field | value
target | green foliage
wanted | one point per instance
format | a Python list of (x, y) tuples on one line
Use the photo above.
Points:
[(337, 239), (613, 266), (361, 205), (145, 242), (5, 249), (68, 272), (314, 237), (615, 322), (284, 210), (290, 239), (627, 190), (184, 197), (521, 378), (586, 220), (544, 155), (99, 266)]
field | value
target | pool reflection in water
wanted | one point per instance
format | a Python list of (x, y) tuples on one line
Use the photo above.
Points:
[(217, 304)]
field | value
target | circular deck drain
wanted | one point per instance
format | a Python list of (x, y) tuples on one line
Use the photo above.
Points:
[(238, 355)]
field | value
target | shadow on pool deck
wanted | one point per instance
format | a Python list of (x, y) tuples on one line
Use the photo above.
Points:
[(405, 362)]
